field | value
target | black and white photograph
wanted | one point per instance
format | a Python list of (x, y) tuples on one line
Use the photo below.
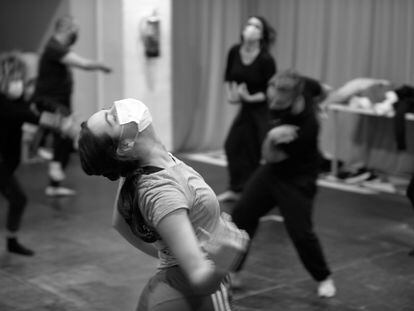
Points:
[(206, 155)]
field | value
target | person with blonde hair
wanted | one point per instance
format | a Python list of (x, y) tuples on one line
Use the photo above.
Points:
[(53, 91)]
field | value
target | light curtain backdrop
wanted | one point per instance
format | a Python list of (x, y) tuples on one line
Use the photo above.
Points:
[(331, 40)]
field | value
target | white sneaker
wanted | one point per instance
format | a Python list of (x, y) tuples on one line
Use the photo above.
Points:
[(326, 288), (229, 195), (56, 172), (59, 191), (45, 153)]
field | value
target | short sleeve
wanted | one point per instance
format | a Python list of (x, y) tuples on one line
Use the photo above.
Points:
[(158, 201)]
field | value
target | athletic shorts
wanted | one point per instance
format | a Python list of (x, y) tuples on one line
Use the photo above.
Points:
[(169, 290)]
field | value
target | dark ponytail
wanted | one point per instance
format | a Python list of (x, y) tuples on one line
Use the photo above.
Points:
[(98, 155)]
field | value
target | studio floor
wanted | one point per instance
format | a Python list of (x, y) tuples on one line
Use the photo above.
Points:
[(82, 264)]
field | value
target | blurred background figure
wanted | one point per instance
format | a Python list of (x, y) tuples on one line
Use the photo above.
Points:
[(287, 178), (410, 195), (54, 89), (15, 110), (248, 70)]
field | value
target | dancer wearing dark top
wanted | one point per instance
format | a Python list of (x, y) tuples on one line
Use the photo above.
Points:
[(287, 179), (15, 111), (54, 90), (248, 70)]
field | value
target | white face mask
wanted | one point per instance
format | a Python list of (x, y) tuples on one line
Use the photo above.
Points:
[(15, 89), (251, 32), (132, 110)]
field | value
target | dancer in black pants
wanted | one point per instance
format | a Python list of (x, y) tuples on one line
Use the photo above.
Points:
[(54, 91), (410, 195), (249, 68), (287, 178), (14, 111)]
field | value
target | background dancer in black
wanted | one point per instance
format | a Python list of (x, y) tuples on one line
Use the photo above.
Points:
[(14, 111), (54, 91), (248, 70), (287, 179), (410, 196)]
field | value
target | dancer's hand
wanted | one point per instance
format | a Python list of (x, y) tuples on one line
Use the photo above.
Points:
[(105, 69), (283, 134), (244, 92), (65, 125), (69, 126), (226, 244), (50, 120), (232, 93)]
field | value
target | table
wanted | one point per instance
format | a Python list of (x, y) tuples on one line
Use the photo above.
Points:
[(338, 108)]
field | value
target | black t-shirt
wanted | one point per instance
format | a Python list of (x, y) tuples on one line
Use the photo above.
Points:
[(54, 80), (303, 152), (255, 75), (12, 116)]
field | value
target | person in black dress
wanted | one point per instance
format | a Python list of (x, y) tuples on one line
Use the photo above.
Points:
[(248, 70)]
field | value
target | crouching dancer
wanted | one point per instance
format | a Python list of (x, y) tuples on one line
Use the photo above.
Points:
[(287, 178)]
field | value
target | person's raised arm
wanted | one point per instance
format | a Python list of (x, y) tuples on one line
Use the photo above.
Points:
[(74, 60)]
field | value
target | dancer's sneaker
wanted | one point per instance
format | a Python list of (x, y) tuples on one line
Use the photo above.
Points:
[(228, 196), (56, 172), (326, 288), (13, 246), (45, 153), (359, 176), (59, 191)]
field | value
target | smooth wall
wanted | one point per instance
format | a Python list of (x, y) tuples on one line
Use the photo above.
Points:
[(100, 38), (149, 79)]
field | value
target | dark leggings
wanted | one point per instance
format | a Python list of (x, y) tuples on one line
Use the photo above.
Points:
[(62, 148), (10, 188), (294, 197), (410, 191), (243, 145)]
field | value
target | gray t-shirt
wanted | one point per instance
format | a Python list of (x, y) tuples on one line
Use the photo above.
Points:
[(173, 188)]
